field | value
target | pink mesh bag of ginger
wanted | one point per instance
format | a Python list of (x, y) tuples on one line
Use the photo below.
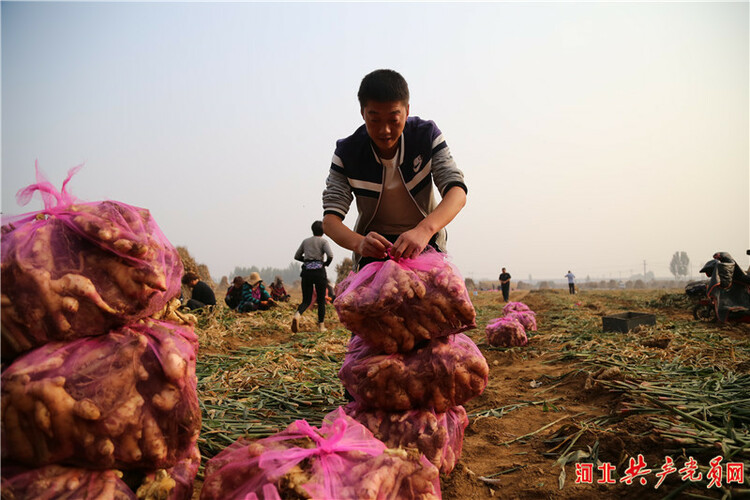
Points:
[(127, 399), (340, 460), (395, 304), (526, 318), (439, 436), (77, 269), (56, 481), (444, 373), (173, 483), (515, 306), (506, 332)]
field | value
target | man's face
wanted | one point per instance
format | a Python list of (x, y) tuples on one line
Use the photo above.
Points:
[(385, 122)]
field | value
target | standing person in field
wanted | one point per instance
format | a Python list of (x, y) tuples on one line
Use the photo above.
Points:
[(505, 284), (390, 164), (315, 254), (571, 282)]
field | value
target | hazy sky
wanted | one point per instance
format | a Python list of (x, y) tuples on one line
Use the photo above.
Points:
[(593, 136)]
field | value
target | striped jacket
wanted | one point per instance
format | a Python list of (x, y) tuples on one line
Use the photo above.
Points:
[(424, 158)]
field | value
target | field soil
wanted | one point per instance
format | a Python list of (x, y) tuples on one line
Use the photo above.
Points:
[(556, 401)]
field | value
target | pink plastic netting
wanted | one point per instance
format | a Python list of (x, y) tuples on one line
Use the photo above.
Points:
[(127, 399), (394, 305), (526, 318), (77, 269), (340, 460), (58, 482), (515, 306), (439, 436), (506, 332), (446, 372), (174, 483)]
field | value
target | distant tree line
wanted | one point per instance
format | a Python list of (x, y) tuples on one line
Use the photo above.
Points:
[(268, 274)]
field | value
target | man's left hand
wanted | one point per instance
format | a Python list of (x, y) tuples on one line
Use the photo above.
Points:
[(411, 243)]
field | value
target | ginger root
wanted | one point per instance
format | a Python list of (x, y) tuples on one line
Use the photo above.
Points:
[(397, 308), (446, 372), (105, 401)]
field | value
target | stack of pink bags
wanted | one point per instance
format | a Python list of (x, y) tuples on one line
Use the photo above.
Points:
[(510, 329)]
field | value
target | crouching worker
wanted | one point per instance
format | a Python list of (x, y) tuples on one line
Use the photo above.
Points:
[(234, 293), (278, 292), (312, 253), (202, 295), (255, 297)]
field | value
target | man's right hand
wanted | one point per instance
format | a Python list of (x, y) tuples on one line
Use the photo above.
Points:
[(373, 245)]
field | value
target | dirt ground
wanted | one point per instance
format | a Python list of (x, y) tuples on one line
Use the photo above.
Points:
[(514, 375), (536, 399), (492, 445)]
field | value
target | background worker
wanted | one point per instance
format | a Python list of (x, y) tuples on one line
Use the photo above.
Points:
[(571, 282), (315, 254), (202, 295), (255, 297), (390, 164), (505, 284), (278, 291), (234, 293)]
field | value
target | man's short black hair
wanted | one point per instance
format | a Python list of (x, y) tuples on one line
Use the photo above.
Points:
[(383, 85), (188, 277), (317, 228)]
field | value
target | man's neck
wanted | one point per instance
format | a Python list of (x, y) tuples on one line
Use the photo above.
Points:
[(389, 154)]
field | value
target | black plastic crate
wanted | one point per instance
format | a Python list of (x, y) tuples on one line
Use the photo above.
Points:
[(626, 321)]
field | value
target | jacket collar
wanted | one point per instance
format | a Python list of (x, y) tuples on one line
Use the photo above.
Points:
[(400, 154)]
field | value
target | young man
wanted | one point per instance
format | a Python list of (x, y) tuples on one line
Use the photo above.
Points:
[(390, 164)]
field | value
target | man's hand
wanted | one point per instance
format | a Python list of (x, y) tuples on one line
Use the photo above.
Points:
[(411, 243), (373, 245)]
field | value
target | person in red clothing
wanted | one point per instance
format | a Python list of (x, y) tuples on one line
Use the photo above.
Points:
[(278, 292)]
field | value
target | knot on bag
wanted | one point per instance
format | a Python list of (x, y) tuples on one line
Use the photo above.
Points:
[(54, 201), (334, 438), (51, 197)]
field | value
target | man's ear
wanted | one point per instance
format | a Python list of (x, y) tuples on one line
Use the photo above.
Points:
[(407, 111)]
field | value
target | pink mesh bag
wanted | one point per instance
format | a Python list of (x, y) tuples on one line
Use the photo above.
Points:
[(526, 318), (127, 399), (438, 436), (515, 306), (174, 483), (506, 332), (395, 304), (56, 482), (78, 269), (340, 460), (446, 372)]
